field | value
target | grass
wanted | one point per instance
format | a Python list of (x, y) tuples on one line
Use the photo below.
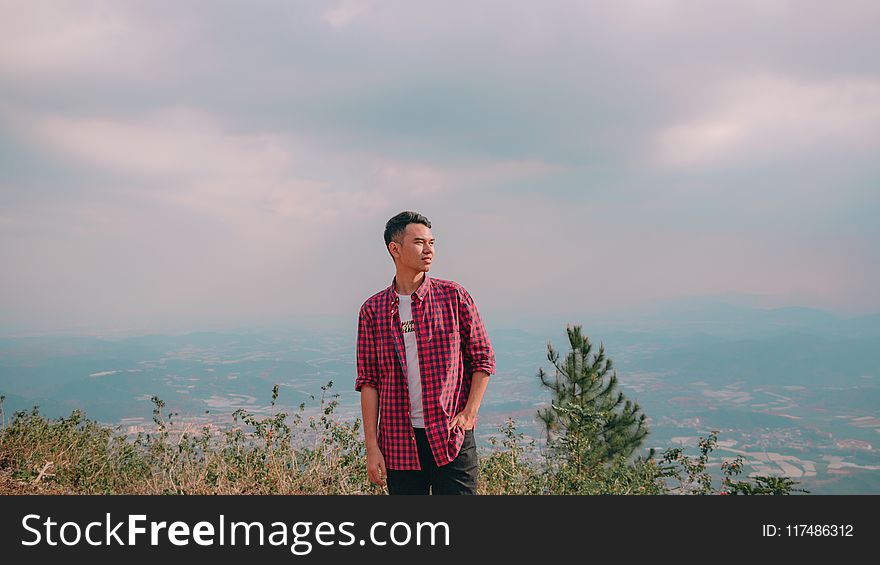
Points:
[(293, 454)]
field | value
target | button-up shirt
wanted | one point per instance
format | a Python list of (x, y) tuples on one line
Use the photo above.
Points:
[(452, 345)]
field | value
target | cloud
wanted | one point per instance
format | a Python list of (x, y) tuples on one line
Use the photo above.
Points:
[(169, 141), (61, 39), (765, 117), (341, 15), (185, 157), (188, 157)]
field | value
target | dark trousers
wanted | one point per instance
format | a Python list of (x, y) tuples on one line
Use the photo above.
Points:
[(459, 476)]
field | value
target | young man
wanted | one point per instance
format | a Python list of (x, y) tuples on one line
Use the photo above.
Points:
[(423, 363)]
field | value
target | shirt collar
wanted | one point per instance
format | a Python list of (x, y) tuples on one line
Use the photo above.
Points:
[(419, 293)]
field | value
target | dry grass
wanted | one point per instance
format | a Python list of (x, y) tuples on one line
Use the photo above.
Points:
[(280, 454)]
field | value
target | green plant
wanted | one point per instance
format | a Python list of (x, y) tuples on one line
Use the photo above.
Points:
[(589, 422), (693, 478)]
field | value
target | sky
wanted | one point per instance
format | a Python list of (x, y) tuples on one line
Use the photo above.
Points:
[(172, 167)]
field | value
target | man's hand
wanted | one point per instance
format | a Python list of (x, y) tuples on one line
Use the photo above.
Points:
[(376, 466), (465, 419)]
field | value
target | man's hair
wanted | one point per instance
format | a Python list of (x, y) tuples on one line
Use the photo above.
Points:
[(397, 225)]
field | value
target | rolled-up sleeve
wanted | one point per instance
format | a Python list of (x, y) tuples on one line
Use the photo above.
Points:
[(367, 361), (476, 348)]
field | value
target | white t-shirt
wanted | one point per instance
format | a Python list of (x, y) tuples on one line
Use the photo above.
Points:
[(413, 376)]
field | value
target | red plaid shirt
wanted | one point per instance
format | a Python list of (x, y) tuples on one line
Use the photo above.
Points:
[(452, 344)]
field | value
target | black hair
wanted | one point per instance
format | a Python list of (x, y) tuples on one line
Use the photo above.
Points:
[(395, 227)]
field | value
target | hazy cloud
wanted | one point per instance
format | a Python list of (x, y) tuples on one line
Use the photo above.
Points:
[(343, 13), (757, 119)]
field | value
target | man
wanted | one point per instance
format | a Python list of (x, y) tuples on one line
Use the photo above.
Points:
[(423, 363)]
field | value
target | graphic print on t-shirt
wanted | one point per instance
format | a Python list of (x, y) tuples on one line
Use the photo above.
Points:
[(413, 375)]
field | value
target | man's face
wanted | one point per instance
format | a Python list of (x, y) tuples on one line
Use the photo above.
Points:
[(417, 248)]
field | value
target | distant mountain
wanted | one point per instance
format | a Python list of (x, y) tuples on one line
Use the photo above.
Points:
[(730, 320), (793, 358)]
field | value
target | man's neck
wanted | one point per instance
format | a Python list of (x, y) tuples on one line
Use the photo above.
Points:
[(408, 283)]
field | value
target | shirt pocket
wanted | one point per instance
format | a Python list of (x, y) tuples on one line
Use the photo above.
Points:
[(442, 323)]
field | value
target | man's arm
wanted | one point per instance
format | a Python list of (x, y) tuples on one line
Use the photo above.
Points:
[(370, 412), (478, 357), (367, 383)]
